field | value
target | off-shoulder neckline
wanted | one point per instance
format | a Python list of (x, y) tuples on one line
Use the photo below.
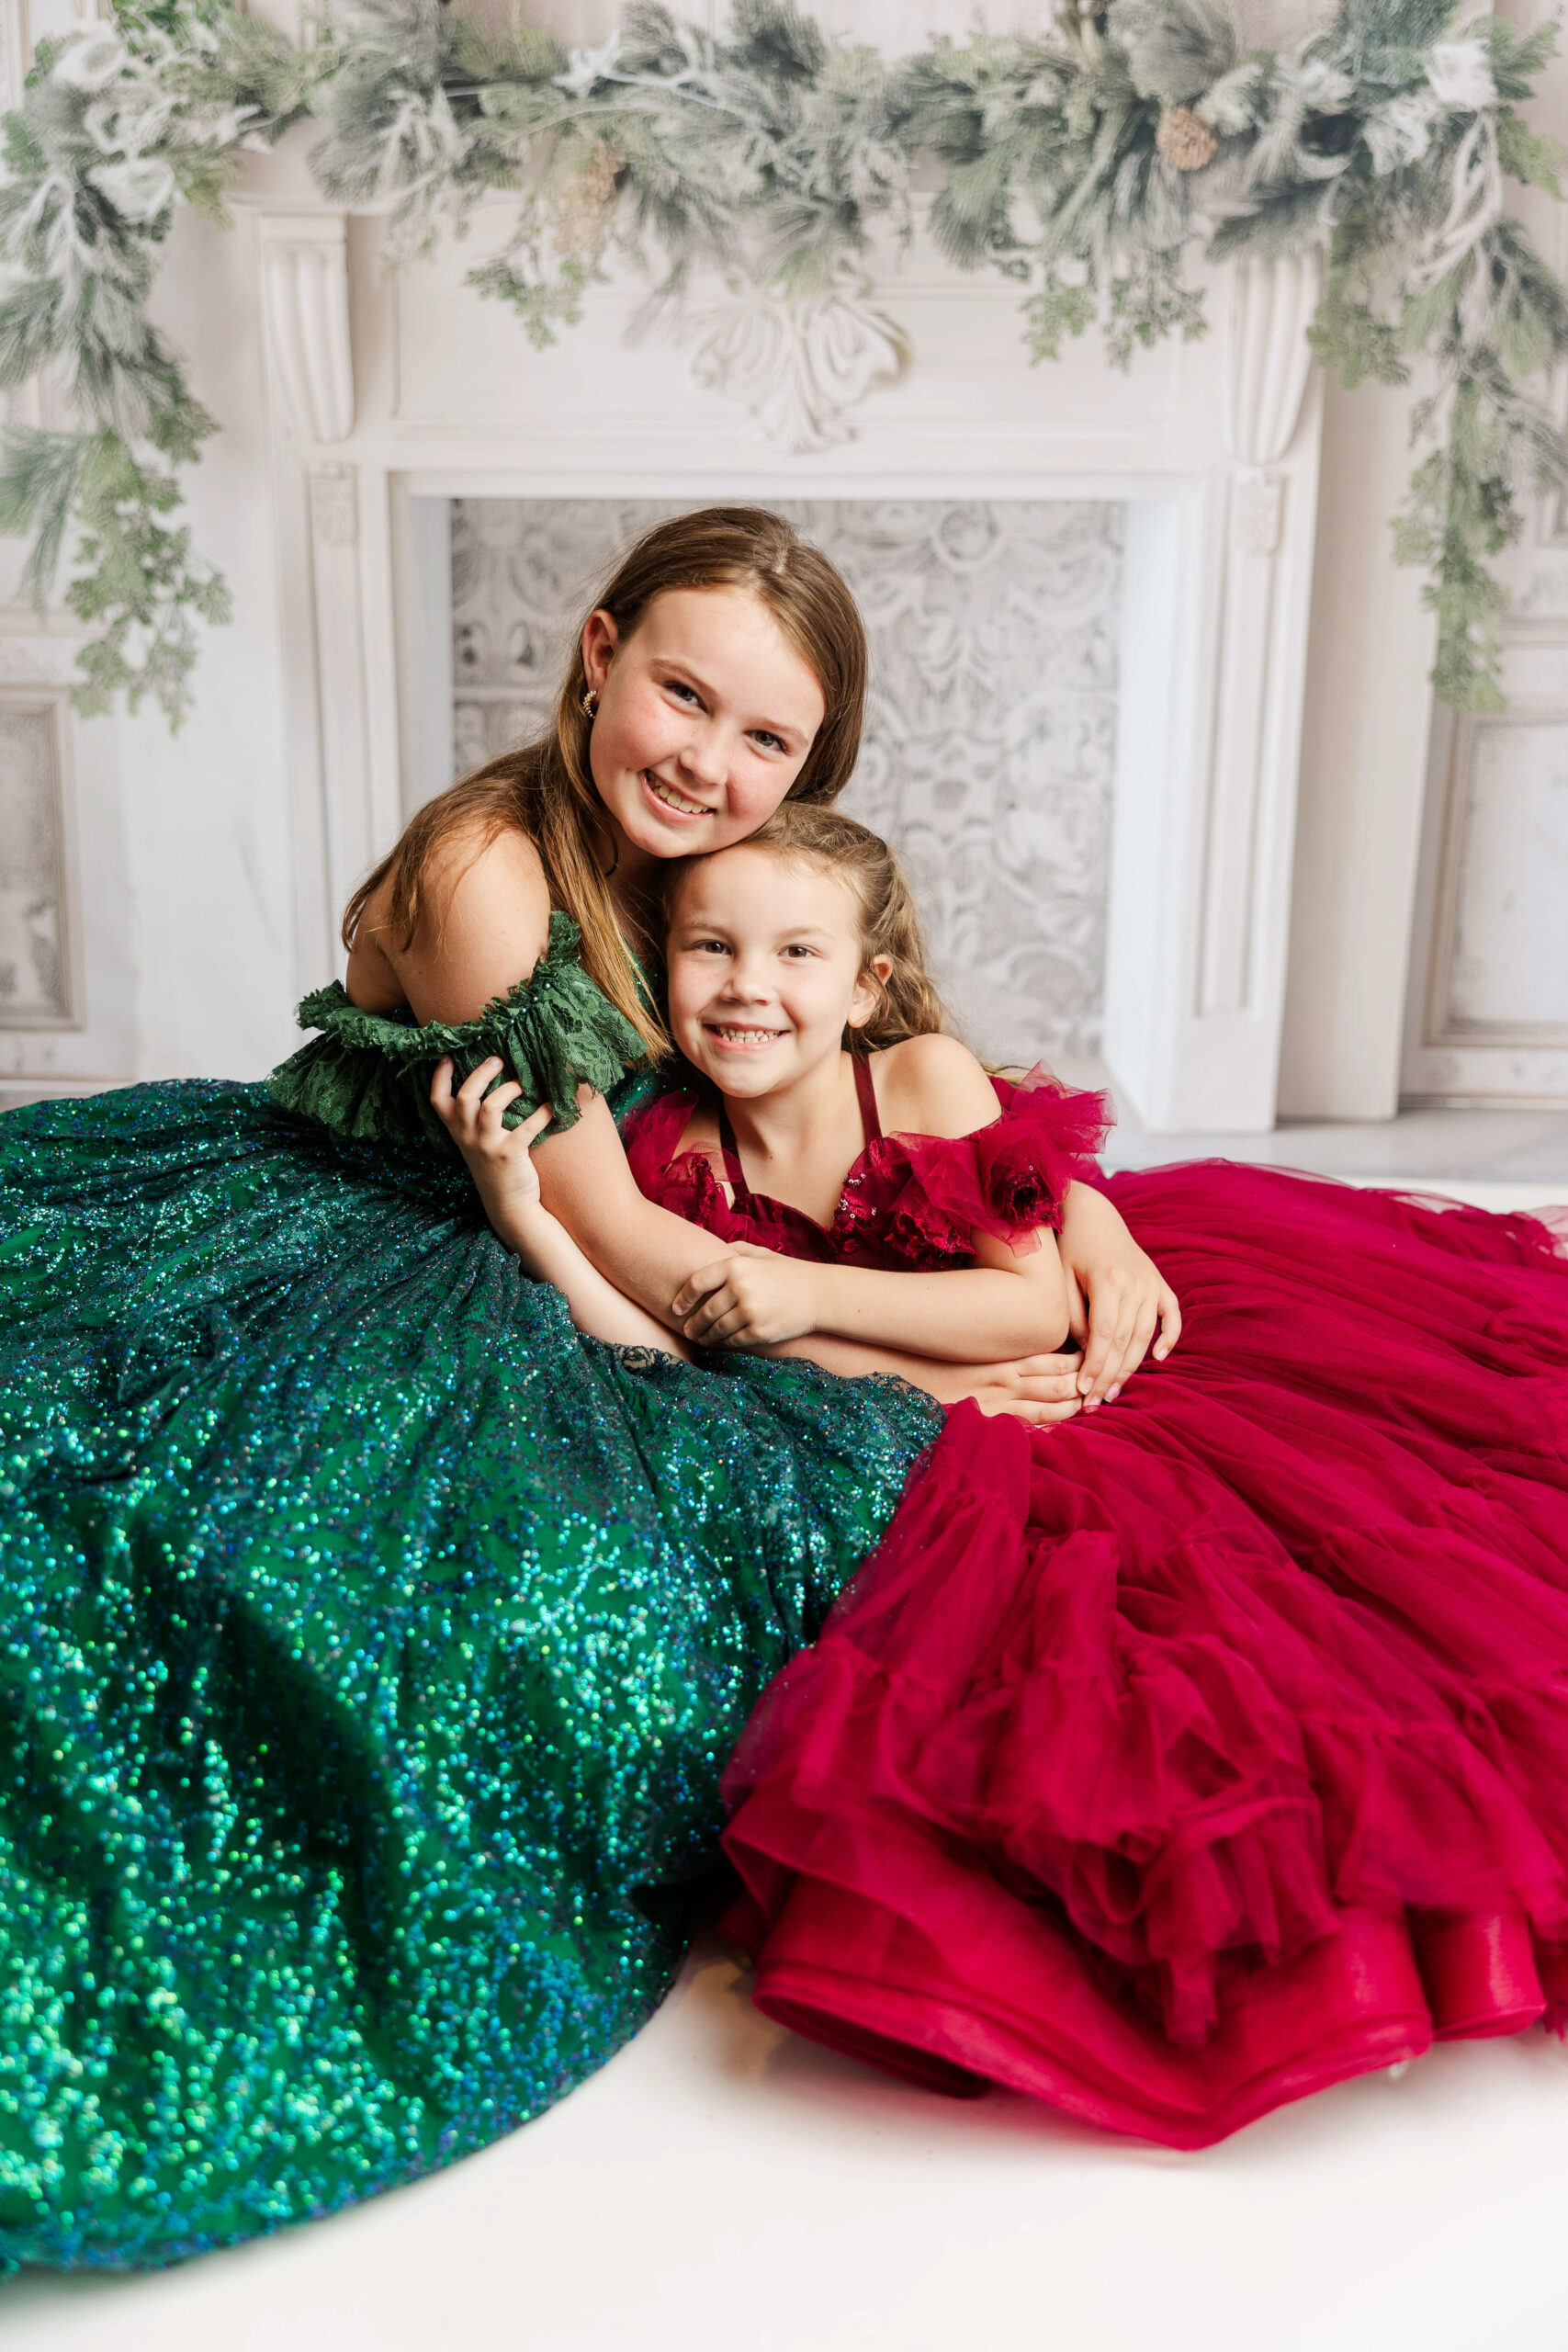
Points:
[(333, 1006)]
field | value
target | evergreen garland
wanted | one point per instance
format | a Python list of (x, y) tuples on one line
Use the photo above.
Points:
[(115, 127), (1085, 164)]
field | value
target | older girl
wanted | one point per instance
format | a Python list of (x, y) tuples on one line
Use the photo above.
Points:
[(371, 1648)]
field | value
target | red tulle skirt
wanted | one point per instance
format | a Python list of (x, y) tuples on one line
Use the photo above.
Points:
[(1213, 1746)]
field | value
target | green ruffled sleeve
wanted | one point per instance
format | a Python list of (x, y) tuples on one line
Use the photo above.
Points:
[(367, 1075)]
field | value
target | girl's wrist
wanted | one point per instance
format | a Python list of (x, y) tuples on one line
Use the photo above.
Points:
[(531, 1216), (527, 1228), (816, 1298)]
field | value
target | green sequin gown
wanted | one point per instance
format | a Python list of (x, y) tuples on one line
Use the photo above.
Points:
[(371, 1644)]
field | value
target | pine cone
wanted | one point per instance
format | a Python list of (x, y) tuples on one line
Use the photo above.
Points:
[(1185, 143), (583, 209)]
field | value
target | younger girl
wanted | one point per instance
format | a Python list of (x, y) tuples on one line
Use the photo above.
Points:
[(1192, 1756)]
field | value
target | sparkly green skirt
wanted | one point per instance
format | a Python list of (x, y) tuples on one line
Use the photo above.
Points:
[(370, 1648)]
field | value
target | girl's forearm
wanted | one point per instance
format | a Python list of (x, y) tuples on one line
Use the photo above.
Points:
[(971, 1315), (644, 1251), (597, 1308)]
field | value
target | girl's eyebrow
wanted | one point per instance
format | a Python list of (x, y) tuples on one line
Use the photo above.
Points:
[(779, 726)]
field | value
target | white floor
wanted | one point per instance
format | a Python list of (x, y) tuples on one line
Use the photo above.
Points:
[(723, 2185)]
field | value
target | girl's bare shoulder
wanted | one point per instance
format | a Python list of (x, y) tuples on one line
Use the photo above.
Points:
[(932, 1086), (484, 920)]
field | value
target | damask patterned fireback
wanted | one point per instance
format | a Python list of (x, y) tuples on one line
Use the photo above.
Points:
[(990, 743)]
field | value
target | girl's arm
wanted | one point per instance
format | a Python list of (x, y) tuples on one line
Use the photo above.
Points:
[(1116, 1296), (597, 1308), (483, 924), (473, 1119), (1041, 1389), (1010, 1304), (647, 1251)]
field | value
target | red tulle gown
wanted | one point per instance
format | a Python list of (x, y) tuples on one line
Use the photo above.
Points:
[(1213, 1746)]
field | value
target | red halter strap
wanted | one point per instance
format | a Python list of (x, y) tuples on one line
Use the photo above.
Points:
[(871, 1126)]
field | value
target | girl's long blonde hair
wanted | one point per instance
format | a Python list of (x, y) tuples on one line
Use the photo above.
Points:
[(800, 833), (546, 788)]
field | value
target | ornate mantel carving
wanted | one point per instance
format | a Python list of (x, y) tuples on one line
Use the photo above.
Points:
[(1268, 362), (797, 366)]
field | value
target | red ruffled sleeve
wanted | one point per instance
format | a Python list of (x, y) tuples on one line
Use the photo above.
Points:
[(1007, 1178)]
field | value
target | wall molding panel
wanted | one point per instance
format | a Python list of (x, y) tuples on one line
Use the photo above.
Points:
[(1489, 1019), (40, 976)]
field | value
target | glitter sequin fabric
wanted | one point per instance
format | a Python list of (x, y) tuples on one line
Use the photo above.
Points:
[(370, 1649)]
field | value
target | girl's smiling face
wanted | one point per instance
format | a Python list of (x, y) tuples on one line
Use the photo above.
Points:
[(704, 719), (766, 969)]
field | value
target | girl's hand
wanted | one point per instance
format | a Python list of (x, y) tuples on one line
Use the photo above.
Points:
[(1116, 1296), (1042, 1390), (751, 1298), (499, 1157)]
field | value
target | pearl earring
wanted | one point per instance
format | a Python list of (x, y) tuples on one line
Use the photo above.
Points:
[(591, 701)]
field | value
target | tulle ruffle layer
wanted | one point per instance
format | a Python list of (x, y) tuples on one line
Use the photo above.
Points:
[(1214, 1747)]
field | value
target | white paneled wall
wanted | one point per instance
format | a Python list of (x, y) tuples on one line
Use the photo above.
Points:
[(1486, 1016)]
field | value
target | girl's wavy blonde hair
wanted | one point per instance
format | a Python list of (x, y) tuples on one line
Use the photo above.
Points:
[(546, 788), (801, 834)]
